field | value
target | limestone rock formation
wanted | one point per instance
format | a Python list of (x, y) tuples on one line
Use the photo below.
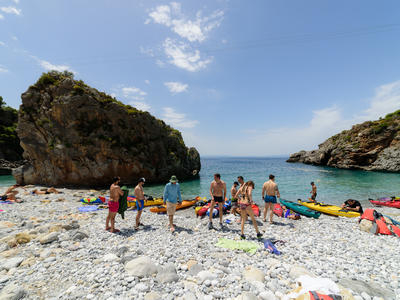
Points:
[(10, 150), (372, 145), (73, 134)]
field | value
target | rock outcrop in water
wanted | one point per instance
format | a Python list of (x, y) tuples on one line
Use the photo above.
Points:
[(73, 134), (372, 145)]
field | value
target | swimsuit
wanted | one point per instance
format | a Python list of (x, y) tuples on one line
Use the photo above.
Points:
[(140, 204), (218, 199), (270, 199), (113, 206), (3, 197)]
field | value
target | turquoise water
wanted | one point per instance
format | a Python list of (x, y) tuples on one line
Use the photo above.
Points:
[(334, 185)]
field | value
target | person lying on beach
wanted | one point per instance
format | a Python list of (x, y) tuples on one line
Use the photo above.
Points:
[(245, 207), (353, 205), (234, 200), (113, 204), (139, 194), (45, 191), (287, 213), (11, 193)]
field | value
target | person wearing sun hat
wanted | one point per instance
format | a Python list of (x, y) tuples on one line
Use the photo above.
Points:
[(172, 195)]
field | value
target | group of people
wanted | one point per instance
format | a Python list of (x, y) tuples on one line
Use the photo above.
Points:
[(172, 197), (241, 199)]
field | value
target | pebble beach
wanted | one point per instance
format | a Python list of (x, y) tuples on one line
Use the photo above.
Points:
[(50, 250)]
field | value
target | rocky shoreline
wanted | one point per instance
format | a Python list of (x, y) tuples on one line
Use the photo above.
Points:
[(49, 250)]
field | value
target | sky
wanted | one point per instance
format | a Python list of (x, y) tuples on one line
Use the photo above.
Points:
[(237, 78)]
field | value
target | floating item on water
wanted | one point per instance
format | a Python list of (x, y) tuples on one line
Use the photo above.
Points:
[(163, 208), (87, 208), (390, 202), (329, 209), (246, 246), (300, 209)]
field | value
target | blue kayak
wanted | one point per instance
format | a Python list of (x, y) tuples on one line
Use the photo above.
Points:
[(300, 209)]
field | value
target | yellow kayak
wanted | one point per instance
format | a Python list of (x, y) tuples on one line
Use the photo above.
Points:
[(157, 201), (332, 210)]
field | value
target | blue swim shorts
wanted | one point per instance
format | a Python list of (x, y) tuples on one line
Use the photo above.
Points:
[(140, 204), (270, 199)]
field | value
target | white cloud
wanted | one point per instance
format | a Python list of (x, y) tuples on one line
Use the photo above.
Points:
[(140, 105), (10, 10), (195, 30), (16, 1), (133, 93), (14, 38), (181, 55), (51, 67), (3, 70), (147, 81), (1, 17), (179, 120), (2, 43), (176, 87), (386, 100)]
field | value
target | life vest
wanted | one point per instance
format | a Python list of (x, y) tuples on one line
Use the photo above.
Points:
[(383, 227), (317, 296)]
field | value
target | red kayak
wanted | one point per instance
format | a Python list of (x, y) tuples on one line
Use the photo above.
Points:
[(278, 210), (389, 203)]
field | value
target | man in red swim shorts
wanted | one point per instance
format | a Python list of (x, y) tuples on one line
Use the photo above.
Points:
[(113, 204)]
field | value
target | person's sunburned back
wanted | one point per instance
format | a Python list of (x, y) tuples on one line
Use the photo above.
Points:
[(270, 188), (114, 192)]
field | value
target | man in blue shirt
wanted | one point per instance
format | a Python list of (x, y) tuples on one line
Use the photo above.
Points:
[(172, 192)]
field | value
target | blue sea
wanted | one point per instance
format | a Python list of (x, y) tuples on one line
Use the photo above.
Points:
[(334, 185)]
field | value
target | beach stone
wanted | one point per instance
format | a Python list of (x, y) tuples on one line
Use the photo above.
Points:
[(167, 274), (187, 296), (141, 267), (4, 279), (253, 274), (110, 257), (370, 288), (48, 238), (12, 263), (206, 275), (23, 238), (297, 271), (191, 263), (79, 236), (141, 287), (72, 225), (122, 250), (366, 296), (12, 292), (246, 296), (152, 296), (195, 269), (55, 228), (267, 295), (368, 226)]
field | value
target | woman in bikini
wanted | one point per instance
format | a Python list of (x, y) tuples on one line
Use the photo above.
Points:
[(245, 203)]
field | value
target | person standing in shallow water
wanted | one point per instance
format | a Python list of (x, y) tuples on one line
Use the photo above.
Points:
[(113, 204), (218, 194), (271, 191), (245, 203), (139, 194), (172, 195), (313, 191)]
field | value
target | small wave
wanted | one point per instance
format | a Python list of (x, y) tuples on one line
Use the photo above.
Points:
[(311, 170)]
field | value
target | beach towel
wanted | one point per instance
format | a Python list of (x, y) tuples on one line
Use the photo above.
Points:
[(92, 200), (87, 208), (123, 202), (249, 247)]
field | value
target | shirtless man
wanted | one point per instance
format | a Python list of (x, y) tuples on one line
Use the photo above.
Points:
[(113, 204), (313, 191), (270, 191), (218, 194), (139, 194), (234, 200)]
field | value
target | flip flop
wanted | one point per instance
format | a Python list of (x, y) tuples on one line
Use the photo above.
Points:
[(172, 229)]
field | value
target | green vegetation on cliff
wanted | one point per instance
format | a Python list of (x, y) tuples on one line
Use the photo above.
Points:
[(9, 141)]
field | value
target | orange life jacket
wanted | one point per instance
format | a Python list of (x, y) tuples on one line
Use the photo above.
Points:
[(317, 296), (383, 228), (368, 214)]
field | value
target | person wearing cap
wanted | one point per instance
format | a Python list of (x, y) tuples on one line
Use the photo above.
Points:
[(172, 195), (139, 194)]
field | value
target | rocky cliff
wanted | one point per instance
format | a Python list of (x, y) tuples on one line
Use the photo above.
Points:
[(10, 150), (73, 134), (372, 145)]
